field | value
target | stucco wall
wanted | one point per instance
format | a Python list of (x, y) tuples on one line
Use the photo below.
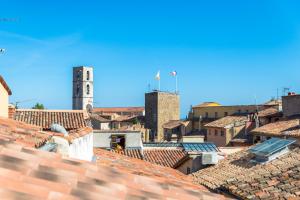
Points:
[(218, 139), (229, 134), (220, 110), (3, 102), (80, 148), (102, 139), (194, 163)]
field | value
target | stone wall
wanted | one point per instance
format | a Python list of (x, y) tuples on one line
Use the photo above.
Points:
[(160, 108), (291, 105)]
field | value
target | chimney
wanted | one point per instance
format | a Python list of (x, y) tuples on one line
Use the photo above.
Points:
[(291, 93), (11, 111)]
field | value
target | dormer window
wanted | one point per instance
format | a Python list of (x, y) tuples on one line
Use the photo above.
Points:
[(88, 89), (88, 75)]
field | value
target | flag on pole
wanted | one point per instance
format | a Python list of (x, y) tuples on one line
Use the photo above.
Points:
[(173, 73), (157, 77)]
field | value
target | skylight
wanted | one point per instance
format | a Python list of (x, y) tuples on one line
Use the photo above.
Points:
[(270, 149)]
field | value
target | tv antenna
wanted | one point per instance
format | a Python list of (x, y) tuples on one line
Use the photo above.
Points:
[(20, 102)]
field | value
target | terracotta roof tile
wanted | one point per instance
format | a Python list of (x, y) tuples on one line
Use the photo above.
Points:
[(268, 112), (73, 134), (172, 124), (284, 127), (119, 109), (228, 120), (237, 175), (163, 157), (98, 117), (22, 133), (70, 119), (27, 173)]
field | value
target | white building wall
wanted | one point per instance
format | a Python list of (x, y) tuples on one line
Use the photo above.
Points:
[(81, 148), (102, 139), (3, 102)]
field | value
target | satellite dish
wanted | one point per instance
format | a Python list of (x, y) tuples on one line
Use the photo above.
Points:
[(89, 108)]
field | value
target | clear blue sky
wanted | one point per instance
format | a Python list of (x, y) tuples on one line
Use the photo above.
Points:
[(225, 51)]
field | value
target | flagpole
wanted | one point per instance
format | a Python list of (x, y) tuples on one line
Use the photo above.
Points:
[(176, 80), (158, 84)]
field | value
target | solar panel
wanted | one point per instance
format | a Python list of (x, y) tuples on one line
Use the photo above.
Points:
[(270, 146), (169, 144), (200, 147)]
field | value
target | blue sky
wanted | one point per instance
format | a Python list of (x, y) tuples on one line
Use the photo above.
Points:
[(225, 51)]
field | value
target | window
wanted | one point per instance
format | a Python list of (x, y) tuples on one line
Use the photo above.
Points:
[(225, 114), (78, 75), (247, 111), (222, 133), (239, 111), (206, 115), (77, 89), (188, 170), (118, 141), (88, 89), (216, 114), (88, 75), (216, 132)]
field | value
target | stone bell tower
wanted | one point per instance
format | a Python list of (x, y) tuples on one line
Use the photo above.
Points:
[(83, 88)]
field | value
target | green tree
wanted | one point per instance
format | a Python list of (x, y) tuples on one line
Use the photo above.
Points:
[(38, 106)]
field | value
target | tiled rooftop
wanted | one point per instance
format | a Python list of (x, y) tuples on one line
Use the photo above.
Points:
[(119, 109), (25, 134), (228, 120), (278, 179), (28, 173), (269, 112), (163, 157), (99, 118), (172, 124), (285, 127), (69, 119), (73, 134), (154, 181)]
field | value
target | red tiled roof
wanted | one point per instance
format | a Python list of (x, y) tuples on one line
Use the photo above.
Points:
[(73, 134), (156, 181), (69, 119), (285, 127), (119, 109), (172, 124), (163, 157), (225, 121), (238, 175), (2, 81), (22, 133), (28, 173), (99, 117), (269, 112)]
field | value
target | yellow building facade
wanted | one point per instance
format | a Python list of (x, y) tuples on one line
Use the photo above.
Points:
[(210, 111), (5, 92)]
